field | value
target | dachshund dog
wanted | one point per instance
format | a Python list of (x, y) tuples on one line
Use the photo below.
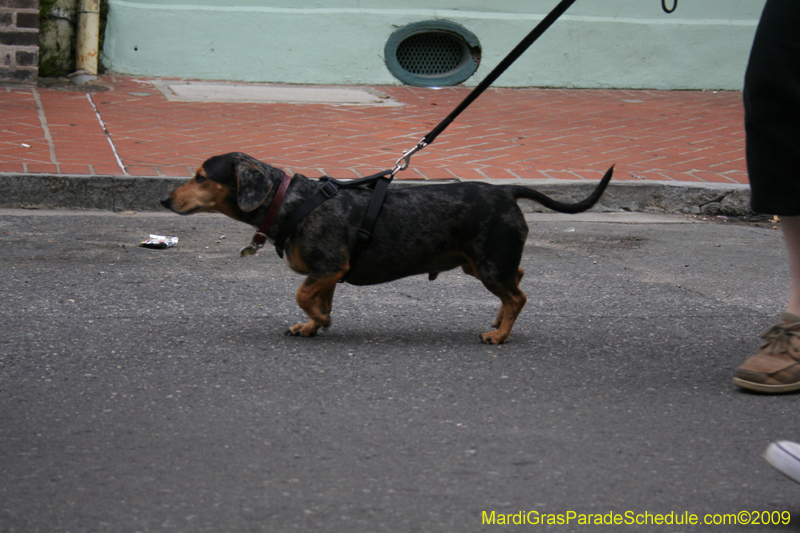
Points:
[(420, 230)]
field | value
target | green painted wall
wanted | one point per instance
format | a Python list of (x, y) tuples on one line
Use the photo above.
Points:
[(598, 43)]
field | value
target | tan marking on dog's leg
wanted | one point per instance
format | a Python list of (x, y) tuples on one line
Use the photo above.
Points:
[(499, 319), (295, 260), (316, 299), (512, 304)]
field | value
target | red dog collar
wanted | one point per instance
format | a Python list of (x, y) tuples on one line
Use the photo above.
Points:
[(260, 238)]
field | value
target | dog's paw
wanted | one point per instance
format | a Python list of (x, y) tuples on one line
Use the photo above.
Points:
[(493, 337), (309, 329)]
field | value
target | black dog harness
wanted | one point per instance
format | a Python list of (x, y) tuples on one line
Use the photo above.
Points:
[(378, 182)]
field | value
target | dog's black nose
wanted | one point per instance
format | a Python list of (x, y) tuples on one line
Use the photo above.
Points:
[(166, 201)]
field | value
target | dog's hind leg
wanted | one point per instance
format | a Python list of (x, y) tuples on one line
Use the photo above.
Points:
[(499, 320), (315, 297), (512, 301)]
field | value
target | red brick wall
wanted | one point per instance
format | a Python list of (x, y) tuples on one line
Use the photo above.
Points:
[(19, 40)]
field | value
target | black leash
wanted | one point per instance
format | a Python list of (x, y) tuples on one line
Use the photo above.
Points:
[(512, 56), (380, 181), (667, 10)]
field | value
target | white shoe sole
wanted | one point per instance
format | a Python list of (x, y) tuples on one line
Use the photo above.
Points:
[(784, 456)]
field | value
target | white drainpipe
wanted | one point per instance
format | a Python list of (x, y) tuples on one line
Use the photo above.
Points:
[(88, 42)]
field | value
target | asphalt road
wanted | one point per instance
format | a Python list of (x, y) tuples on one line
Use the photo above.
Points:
[(154, 390)]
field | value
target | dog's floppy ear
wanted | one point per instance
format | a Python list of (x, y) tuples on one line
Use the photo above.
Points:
[(254, 183)]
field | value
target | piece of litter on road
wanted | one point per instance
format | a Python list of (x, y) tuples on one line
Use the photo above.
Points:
[(159, 241), (26, 145)]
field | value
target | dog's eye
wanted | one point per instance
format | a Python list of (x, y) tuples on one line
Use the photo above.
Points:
[(199, 178)]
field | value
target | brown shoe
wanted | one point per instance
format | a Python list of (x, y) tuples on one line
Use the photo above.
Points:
[(776, 367)]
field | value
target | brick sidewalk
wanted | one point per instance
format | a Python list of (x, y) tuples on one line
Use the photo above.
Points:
[(679, 136)]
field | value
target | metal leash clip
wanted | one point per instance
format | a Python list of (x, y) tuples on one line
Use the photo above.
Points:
[(254, 246), (404, 161)]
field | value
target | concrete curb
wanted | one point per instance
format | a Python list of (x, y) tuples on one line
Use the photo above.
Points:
[(109, 193), (142, 193), (651, 196)]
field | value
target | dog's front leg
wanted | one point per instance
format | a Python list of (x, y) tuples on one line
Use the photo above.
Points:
[(315, 297)]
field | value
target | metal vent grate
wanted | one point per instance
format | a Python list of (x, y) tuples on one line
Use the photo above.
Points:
[(431, 54)]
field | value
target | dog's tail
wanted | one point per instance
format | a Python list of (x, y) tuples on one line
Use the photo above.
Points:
[(561, 207)]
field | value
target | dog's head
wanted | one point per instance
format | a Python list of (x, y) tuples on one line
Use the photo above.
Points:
[(233, 184)]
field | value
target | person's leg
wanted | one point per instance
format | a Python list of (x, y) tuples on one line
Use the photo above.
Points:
[(776, 367), (772, 126), (791, 231)]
